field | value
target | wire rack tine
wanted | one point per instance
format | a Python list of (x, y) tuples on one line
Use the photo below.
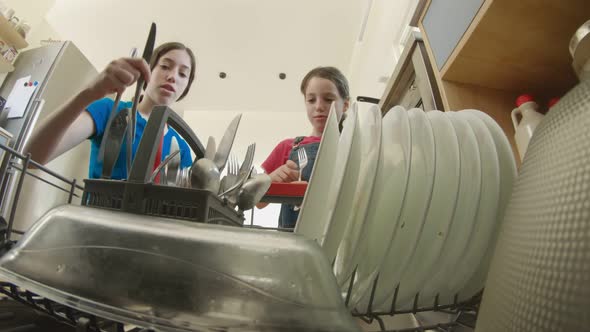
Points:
[(21, 179), (436, 300), (349, 293), (372, 297), (46, 181), (393, 302), (380, 322), (415, 305), (37, 165)]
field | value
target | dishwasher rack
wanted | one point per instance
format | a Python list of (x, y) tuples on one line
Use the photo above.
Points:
[(13, 162), (465, 312), (83, 322)]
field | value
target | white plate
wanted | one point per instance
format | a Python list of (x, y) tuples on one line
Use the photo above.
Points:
[(386, 200), (313, 214), (485, 222), (507, 176), (463, 217), (413, 212), (438, 220), (369, 127), (334, 228)]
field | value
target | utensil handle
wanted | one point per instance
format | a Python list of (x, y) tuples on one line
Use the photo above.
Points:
[(132, 120), (110, 158), (130, 126), (111, 117), (107, 129), (162, 164), (142, 166)]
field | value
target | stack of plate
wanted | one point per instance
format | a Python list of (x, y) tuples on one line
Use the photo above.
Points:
[(411, 201)]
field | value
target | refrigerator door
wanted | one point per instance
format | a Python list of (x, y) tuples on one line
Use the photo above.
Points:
[(62, 71), (36, 63)]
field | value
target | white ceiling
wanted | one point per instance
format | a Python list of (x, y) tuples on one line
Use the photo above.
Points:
[(251, 40)]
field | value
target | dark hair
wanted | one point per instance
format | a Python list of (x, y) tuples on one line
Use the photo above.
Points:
[(167, 47), (329, 73)]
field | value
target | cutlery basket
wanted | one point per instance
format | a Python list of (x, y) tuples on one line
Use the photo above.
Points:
[(158, 200), (140, 196)]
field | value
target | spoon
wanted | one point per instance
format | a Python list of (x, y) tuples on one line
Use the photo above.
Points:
[(236, 186), (252, 191), (205, 175)]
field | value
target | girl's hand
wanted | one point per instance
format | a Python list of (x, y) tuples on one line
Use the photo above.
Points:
[(289, 172), (118, 75)]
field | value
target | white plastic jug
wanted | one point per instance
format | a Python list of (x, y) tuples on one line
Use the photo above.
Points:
[(529, 119)]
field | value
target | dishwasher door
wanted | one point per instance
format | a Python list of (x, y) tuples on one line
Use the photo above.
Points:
[(412, 83)]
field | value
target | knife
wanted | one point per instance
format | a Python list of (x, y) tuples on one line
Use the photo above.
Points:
[(147, 55), (210, 150), (107, 128), (226, 143)]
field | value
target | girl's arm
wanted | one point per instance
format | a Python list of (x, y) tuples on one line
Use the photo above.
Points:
[(69, 125)]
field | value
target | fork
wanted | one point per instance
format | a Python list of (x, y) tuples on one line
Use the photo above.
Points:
[(245, 169), (233, 169), (248, 159), (302, 156)]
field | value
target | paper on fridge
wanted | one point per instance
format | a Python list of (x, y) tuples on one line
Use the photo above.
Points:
[(19, 97)]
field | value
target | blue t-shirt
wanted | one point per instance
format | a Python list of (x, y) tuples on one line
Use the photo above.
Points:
[(99, 111)]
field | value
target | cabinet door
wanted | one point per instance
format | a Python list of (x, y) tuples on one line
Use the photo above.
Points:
[(445, 22)]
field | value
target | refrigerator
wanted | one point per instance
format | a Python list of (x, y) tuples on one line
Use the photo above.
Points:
[(61, 71)]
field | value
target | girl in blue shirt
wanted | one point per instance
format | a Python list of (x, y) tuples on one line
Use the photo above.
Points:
[(168, 76)]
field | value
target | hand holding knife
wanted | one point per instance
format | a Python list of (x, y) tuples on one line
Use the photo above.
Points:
[(112, 114), (147, 52)]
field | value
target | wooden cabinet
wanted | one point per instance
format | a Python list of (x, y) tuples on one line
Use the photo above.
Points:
[(509, 48)]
